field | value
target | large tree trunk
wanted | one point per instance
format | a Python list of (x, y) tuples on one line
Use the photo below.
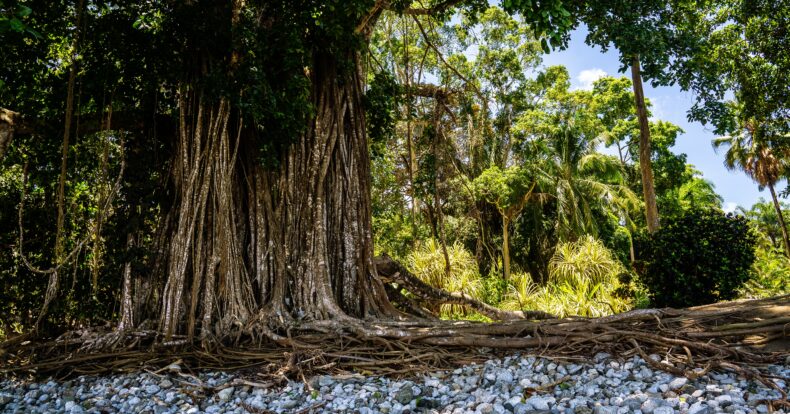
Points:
[(781, 218), (645, 163), (254, 247)]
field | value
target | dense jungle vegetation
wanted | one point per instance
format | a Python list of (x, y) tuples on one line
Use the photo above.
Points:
[(218, 169)]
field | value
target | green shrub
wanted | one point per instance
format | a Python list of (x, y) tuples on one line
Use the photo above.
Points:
[(698, 258), (771, 274), (427, 263), (584, 281)]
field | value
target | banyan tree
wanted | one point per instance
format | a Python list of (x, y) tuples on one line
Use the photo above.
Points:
[(229, 187), (260, 106)]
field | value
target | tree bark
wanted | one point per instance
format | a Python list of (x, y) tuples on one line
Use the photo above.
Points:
[(506, 246), (127, 308), (781, 219), (8, 125), (645, 162), (256, 248)]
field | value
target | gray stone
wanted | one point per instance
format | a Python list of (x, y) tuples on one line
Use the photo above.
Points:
[(512, 402), (521, 408), (540, 403), (404, 395), (678, 383), (724, 400), (152, 389), (650, 405), (505, 376), (485, 408), (428, 403), (325, 381), (289, 404), (632, 403), (663, 410), (225, 393), (699, 408), (605, 409)]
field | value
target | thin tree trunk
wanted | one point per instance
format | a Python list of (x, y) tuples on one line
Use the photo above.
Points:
[(506, 246), (645, 162), (61, 200), (409, 138), (781, 218), (127, 307), (436, 194)]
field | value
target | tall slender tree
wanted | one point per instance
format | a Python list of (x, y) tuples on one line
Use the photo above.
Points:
[(649, 35)]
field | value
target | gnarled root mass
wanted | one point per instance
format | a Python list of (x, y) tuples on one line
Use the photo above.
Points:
[(737, 336)]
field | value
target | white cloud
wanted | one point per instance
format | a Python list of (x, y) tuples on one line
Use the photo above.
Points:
[(588, 76), (729, 207)]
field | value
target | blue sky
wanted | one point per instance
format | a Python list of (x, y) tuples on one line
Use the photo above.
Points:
[(586, 64)]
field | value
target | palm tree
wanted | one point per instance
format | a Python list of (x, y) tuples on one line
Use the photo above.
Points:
[(583, 180), (749, 151)]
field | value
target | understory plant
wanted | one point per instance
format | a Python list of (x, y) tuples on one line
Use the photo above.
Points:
[(698, 258), (584, 281), (771, 273), (428, 264)]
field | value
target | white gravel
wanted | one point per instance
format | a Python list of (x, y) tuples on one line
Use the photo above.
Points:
[(516, 384)]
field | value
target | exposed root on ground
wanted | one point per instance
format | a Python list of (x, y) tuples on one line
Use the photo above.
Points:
[(742, 337)]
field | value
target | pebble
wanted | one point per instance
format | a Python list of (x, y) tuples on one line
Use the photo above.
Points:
[(225, 393), (514, 384), (678, 383)]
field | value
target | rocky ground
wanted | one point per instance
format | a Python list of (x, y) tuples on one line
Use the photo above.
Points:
[(516, 384)]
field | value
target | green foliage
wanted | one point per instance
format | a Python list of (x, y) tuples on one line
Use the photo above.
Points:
[(551, 20), (771, 266), (381, 101), (507, 189), (427, 263), (655, 32), (133, 211), (771, 273), (765, 219), (584, 262), (13, 19), (561, 134), (744, 53), (584, 282), (698, 258)]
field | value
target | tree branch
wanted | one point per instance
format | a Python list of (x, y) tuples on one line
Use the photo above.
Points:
[(389, 268), (449, 66)]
